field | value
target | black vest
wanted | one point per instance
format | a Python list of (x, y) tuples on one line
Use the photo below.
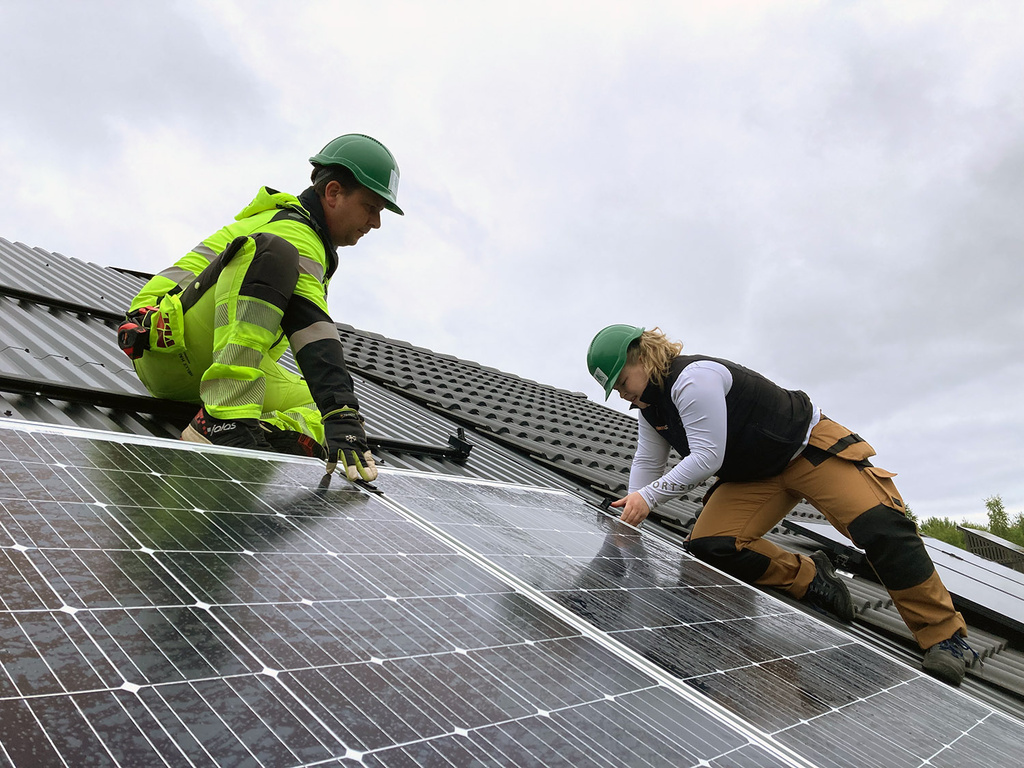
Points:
[(765, 424)]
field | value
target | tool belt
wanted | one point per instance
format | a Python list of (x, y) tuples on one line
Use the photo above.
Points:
[(161, 328)]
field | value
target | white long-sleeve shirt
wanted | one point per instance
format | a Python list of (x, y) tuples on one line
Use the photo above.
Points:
[(699, 396)]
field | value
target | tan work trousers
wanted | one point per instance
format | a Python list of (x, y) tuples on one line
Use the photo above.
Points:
[(859, 500)]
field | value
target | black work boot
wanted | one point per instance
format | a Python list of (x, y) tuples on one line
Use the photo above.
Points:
[(948, 660), (292, 442), (237, 433), (827, 592)]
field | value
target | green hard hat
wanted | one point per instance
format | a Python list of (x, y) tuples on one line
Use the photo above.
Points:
[(371, 162), (607, 354)]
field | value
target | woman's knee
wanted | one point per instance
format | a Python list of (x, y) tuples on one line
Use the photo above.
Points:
[(893, 547), (722, 553)]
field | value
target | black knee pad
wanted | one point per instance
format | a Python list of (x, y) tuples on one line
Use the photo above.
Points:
[(893, 547), (721, 552)]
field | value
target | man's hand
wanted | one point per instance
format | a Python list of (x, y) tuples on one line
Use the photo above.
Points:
[(346, 445), (634, 508)]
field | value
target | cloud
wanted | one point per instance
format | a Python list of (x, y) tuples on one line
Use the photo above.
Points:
[(85, 66)]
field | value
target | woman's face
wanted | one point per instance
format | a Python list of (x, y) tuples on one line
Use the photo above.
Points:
[(632, 382)]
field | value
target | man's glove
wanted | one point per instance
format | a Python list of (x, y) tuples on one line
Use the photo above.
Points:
[(346, 445)]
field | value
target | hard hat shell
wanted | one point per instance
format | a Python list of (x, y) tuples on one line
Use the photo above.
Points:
[(607, 354), (369, 160)]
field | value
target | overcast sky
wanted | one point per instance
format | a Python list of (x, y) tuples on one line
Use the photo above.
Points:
[(831, 193)]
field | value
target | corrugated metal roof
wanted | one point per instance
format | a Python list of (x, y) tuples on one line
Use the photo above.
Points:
[(56, 345), (44, 410), (35, 271)]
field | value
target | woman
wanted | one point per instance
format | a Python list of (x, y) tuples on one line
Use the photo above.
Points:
[(769, 448)]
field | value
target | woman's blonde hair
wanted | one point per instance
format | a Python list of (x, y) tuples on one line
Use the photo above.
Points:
[(654, 353)]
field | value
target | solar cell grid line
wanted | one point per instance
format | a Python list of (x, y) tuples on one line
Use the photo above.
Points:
[(788, 675), (124, 641)]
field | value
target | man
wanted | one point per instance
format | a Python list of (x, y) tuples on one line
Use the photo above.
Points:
[(210, 329), (770, 447)]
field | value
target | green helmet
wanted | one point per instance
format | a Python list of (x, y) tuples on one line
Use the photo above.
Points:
[(607, 354), (371, 162)]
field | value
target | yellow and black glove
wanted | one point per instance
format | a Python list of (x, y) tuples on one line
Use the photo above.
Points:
[(346, 445)]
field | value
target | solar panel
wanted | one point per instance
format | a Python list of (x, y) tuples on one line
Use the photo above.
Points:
[(175, 606), (163, 604), (802, 684)]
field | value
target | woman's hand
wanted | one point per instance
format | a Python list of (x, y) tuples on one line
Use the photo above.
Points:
[(634, 508)]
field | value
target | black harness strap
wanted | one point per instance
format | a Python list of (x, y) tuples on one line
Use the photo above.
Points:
[(134, 332), (209, 276)]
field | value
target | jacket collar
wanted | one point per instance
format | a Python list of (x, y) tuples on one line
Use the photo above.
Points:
[(651, 395), (311, 202)]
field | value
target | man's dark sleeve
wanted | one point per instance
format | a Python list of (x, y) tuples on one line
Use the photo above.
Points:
[(316, 345)]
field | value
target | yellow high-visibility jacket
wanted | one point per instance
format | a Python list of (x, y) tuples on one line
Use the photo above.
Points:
[(307, 325)]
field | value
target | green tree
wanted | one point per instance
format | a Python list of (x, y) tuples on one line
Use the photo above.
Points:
[(1015, 532), (910, 513), (943, 529), (998, 520), (999, 523)]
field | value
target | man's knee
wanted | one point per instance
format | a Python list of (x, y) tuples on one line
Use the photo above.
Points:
[(721, 552)]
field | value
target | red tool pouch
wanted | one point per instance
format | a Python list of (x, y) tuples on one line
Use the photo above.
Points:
[(133, 333)]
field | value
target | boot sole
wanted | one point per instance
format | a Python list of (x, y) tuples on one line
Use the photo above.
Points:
[(191, 435), (947, 674)]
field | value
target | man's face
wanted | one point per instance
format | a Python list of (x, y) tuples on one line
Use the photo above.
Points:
[(632, 382), (351, 215)]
